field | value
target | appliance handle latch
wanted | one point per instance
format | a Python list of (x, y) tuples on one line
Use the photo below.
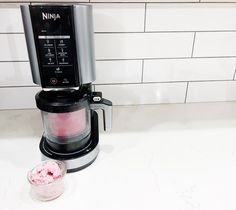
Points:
[(105, 105)]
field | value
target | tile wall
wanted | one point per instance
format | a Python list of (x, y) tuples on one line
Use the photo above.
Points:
[(147, 52)]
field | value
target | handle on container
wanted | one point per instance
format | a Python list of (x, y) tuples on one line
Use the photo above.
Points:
[(105, 105)]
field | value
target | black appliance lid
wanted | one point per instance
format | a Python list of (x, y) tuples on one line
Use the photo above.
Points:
[(61, 101)]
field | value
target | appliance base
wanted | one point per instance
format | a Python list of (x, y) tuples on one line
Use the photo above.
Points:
[(79, 163), (77, 160)]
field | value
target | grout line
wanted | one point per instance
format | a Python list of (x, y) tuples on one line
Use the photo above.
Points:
[(194, 38), (125, 59), (121, 2), (161, 2), (115, 2), (131, 105), (145, 17), (11, 33), (14, 61), (138, 59), (84, 2), (18, 86), (137, 83), (142, 71), (186, 93), (234, 74), (149, 32)]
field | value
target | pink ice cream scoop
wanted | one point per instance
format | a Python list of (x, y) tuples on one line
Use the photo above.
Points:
[(46, 179), (46, 173)]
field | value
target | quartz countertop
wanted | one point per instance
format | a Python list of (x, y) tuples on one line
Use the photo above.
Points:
[(167, 157)]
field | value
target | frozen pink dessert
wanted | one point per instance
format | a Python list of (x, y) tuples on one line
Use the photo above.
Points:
[(67, 124), (46, 180), (45, 173)]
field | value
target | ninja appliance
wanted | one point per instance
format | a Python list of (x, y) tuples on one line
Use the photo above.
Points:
[(61, 53)]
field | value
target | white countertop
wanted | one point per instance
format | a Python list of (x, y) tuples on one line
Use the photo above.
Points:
[(166, 157)]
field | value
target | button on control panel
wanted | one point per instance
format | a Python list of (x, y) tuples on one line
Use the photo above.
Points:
[(53, 81)]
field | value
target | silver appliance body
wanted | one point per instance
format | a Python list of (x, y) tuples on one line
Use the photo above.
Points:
[(60, 45)]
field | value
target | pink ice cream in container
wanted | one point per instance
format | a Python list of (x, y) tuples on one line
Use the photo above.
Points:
[(47, 180)]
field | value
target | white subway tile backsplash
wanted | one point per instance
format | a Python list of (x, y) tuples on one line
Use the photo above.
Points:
[(124, 71), (10, 20), (13, 47), (122, 44), (15, 74), (165, 70), (190, 17), (143, 45), (144, 93), (118, 17), (213, 44), (211, 91), (18, 98)]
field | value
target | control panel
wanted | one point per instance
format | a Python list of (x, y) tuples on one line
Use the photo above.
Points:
[(54, 38)]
